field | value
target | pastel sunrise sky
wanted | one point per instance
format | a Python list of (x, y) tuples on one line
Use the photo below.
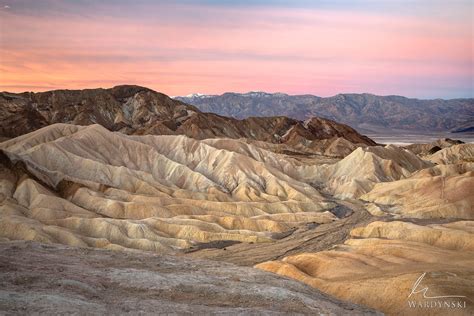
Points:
[(414, 48)]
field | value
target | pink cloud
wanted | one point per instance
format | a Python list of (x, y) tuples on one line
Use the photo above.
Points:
[(300, 51)]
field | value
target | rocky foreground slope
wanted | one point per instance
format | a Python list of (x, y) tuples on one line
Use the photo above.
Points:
[(54, 279)]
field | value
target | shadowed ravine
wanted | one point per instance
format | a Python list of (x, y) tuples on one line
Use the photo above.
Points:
[(309, 237)]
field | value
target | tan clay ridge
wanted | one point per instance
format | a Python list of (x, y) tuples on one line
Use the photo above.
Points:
[(379, 266)]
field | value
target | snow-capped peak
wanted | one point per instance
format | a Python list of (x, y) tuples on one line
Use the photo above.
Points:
[(194, 95)]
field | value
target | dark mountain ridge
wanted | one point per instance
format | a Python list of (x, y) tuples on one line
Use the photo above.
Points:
[(138, 110)]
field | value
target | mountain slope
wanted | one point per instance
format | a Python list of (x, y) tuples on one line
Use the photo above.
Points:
[(361, 111)]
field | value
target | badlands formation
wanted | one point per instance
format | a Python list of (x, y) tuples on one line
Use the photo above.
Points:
[(427, 232), (129, 169), (87, 186)]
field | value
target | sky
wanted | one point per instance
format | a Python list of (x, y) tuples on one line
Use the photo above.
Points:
[(420, 49)]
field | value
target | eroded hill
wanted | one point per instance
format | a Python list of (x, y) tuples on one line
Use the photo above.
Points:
[(308, 200)]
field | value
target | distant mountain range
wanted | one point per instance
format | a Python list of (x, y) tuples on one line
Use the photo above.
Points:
[(365, 112)]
